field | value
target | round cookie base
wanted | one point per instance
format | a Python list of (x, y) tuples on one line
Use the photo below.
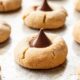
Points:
[(10, 6), (76, 32), (37, 19), (38, 58), (77, 5)]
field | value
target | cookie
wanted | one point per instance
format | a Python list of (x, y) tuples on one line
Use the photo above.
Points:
[(78, 72), (76, 32), (9, 5), (77, 5), (5, 31), (45, 16), (41, 51)]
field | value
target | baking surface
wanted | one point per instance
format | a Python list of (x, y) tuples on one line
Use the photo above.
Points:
[(12, 71)]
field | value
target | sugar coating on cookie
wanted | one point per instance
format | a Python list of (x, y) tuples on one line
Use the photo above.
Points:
[(76, 32), (9, 5), (45, 17), (77, 5), (41, 57), (5, 31)]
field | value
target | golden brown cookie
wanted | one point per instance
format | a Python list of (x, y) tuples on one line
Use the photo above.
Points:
[(5, 31), (9, 5), (45, 17), (76, 32), (37, 52), (77, 5)]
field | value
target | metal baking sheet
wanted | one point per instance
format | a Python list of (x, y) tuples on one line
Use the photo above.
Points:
[(12, 71)]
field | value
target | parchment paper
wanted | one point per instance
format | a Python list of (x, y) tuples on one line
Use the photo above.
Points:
[(12, 71)]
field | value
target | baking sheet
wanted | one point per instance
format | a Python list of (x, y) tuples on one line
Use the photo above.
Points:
[(12, 71)]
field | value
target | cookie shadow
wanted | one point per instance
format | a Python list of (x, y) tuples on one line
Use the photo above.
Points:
[(77, 15), (54, 0), (58, 0), (60, 31), (50, 73), (5, 46), (76, 48)]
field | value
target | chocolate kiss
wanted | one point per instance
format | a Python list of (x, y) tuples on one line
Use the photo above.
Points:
[(40, 41), (45, 6)]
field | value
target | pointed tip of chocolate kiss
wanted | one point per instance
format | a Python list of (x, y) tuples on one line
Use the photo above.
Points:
[(40, 41), (45, 6)]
